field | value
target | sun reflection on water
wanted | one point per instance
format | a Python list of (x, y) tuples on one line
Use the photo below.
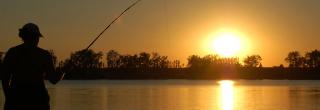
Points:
[(226, 94)]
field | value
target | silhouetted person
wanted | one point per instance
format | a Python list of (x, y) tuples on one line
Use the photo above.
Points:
[(26, 66)]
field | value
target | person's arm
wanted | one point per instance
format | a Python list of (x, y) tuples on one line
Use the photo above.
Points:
[(6, 75), (6, 84), (53, 75)]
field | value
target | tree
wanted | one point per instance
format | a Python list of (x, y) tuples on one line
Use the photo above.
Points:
[(155, 60), (210, 59), (164, 62), (113, 59), (252, 61), (313, 59), (83, 61), (194, 61), (294, 59), (125, 61), (176, 64), (129, 61), (144, 60)]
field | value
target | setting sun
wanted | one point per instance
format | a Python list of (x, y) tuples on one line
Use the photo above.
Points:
[(227, 44)]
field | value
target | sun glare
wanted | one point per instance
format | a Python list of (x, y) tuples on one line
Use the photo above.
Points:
[(227, 44), (226, 94)]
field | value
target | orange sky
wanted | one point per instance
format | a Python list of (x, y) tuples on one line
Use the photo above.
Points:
[(176, 28)]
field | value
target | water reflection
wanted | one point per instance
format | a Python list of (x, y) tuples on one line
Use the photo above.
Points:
[(226, 94), (184, 95)]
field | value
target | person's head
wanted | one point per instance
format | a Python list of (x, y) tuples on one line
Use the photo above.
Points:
[(30, 34)]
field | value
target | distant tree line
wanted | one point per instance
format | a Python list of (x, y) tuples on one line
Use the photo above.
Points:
[(88, 60), (309, 60), (195, 61), (141, 60)]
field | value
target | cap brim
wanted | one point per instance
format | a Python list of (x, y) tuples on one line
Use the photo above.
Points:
[(40, 35)]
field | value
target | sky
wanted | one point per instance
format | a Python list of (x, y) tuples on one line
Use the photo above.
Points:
[(175, 28)]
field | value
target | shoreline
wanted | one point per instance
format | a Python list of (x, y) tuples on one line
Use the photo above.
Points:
[(200, 74)]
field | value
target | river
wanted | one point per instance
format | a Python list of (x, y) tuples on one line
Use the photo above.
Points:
[(184, 95)]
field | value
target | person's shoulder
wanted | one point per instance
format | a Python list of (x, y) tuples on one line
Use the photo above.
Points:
[(43, 51), (14, 49)]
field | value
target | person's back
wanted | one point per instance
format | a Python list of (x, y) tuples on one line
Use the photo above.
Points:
[(26, 66)]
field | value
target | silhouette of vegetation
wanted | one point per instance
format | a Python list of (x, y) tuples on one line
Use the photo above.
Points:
[(310, 60), (252, 61), (142, 60), (113, 59), (295, 60), (195, 61), (176, 64), (81, 63), (89, 64)]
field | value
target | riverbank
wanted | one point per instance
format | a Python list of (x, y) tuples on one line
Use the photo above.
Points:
[(201, 74)]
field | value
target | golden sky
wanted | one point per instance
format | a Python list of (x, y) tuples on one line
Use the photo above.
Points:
[(176, 28)]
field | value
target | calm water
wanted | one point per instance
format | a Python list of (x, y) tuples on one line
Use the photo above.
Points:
[(185, 95)]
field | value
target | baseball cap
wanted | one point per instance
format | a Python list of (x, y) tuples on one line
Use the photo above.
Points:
[(31, 28)]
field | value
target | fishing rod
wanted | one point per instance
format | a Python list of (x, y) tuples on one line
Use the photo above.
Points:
[(86, 49), (112, 23)]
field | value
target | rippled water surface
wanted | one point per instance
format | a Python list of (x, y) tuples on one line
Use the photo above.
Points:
[(184, 95)]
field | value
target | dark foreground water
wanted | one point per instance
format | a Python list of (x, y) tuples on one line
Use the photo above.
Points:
[(184, 95)]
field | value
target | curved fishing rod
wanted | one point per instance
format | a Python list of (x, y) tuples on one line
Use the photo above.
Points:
[(86, 49), (111, 24)]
